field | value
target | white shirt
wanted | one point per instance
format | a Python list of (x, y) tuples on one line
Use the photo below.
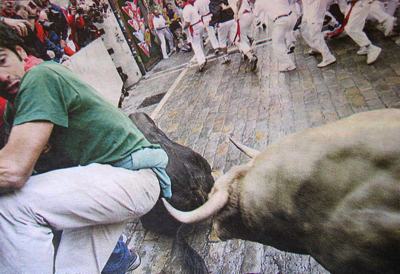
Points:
[(159, 22), (191, 14), (202, 6)]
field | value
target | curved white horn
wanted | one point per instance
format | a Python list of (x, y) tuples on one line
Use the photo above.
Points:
[(251, 152), (216, 202)]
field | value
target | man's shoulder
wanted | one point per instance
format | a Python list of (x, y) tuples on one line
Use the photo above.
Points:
[(45, 69)]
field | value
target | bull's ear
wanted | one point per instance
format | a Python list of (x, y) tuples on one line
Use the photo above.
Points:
[(251, 152)]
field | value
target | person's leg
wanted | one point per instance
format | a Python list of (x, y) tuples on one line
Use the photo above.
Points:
[(170, 39), (245, 23), (355, 26), (90, 204), (314, 12), (223, 34), (213, 38), (279, 45), (392, 6), (377, 11), (197, 44), (161, 37)]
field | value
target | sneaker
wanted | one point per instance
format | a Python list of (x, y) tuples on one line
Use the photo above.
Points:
[(134, 262), (291, 49), (388, 25), (253, 63), (373, 54), (226, 60), (202, 66), (327, 61), (362, 51), (312, 52), (288, 68)]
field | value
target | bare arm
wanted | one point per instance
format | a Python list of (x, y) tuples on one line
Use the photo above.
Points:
[(19, 156)]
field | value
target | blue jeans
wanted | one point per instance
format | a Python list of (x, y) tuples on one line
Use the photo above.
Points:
[(118, 262)]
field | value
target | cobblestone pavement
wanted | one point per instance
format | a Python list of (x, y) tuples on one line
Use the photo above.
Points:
[(259, 109)]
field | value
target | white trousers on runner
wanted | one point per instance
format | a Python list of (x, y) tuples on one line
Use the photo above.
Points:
[(90, 204), (313, 18), (246, 24), (280, 28), (356, 23), (211, 32), (162, 35), (226, 32), (378, 12), (197, 43)]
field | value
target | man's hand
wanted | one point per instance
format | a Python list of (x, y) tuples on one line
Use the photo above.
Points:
[(21, 26), (19, 156)]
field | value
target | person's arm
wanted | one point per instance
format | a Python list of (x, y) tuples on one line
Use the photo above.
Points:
[(20, 25), (19, 155)]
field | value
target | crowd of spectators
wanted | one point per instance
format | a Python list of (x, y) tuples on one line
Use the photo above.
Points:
[(54, 32)]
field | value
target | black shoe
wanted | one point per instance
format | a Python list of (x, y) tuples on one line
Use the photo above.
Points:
[(253, 63), (202, 66), (134, 262)]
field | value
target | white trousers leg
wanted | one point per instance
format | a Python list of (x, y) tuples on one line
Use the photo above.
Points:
[(279, 31), (168, 35), (355, 25), (242, 42), (211, 35), (290, 37), (224, 32), (377, 11), (313, 18), (91, 204), (197, 43), (161, 37), (392, 6)]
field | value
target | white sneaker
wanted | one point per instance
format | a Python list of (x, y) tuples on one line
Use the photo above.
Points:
[(288, 68), (388, 25), (362, 51), (226, 60), (373, 53), (327, 61)]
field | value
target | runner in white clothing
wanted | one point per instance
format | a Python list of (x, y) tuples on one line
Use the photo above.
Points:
[(163, 33), (192, 22), (204, 11), (244, 18)]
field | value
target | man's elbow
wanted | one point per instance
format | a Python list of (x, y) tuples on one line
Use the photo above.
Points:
[(13, 179)]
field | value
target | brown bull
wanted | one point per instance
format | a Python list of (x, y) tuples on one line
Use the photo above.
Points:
[(332, 192)]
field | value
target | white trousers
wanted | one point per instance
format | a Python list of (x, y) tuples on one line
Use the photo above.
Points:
[(197, 43), (313, 18), (90, 204), (162, 35), (356, 23), (246, 24), (378, 12), (211, 32), (280, 29), (226, 32), (392, 6)]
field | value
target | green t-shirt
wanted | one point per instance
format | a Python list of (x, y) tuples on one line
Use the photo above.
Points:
[(87, 129)]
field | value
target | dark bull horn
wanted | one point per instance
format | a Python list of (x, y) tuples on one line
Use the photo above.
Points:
[(251, 152), (211, 207)]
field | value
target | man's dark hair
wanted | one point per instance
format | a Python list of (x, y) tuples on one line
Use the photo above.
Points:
[(10, 39)]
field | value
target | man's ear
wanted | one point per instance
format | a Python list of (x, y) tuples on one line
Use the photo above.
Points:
[(21, 52)]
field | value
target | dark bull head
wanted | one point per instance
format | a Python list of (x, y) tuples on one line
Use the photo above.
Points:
[(332, 192), (189, 172)]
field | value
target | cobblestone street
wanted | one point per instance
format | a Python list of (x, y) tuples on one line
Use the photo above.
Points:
[(202, 110)]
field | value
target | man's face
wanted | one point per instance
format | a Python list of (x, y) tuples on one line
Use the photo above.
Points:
[(11, 71)]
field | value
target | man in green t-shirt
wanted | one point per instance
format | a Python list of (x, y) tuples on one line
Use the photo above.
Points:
[(95, 169)]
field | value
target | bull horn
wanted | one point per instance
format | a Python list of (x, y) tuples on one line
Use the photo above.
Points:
[(251, 152), (216, 202)]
